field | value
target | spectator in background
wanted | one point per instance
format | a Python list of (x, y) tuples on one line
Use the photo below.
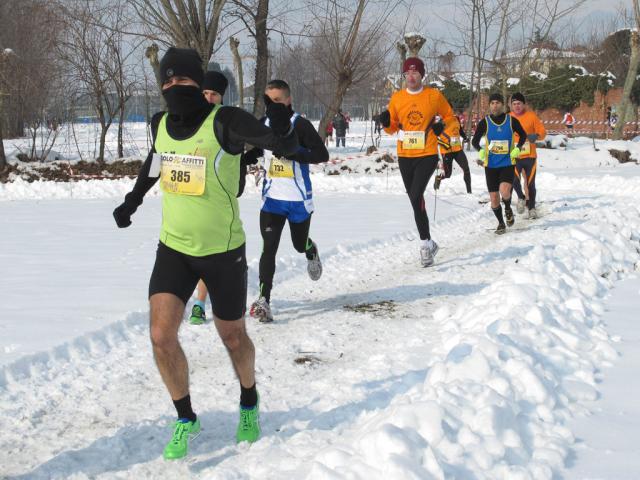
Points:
[(341, 126), (377, 126), (329, 133), (568, 120)]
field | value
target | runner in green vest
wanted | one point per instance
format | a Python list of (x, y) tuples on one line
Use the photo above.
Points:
[(196, 156)]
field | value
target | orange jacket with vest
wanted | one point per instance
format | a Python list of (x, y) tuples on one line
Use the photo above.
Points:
[(531, 124), (414, 112)]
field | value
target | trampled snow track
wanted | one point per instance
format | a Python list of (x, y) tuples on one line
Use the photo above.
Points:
[(96, 407)]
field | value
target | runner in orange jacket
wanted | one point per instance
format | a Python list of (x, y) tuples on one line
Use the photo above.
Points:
[(412, 114), (527, 163)]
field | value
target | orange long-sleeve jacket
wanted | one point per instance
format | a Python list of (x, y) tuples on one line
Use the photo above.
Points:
[(531, 124), (414, 112)]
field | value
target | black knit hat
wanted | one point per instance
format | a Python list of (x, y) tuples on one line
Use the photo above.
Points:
[(182, 62), (215, 81), (496, 96), (518, 97)]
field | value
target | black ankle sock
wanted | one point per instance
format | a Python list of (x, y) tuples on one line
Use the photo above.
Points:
[(183, 407), (248, 396), (311, 250), (498, 213), (507, 203)]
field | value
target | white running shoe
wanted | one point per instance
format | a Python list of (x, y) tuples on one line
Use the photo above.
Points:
[(533, 214), (433, 246), (261, 310), (314, 265), (520, 205)]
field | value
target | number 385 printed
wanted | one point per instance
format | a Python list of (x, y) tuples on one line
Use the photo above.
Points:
[(180, 176)]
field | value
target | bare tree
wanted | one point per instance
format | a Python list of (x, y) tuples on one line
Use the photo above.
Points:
[(118, 67), (88, 51), (254, 15), (28, 67), (348, 44), (182, 23), (5, 53), (234, 43), (634, 62)]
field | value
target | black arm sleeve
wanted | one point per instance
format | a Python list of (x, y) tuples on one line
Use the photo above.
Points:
[(463, 134), (144, 182), (233, 127), (517, 127), (481, 130), (312, 148)]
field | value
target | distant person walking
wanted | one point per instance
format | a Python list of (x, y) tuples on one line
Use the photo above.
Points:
[(340, 126)]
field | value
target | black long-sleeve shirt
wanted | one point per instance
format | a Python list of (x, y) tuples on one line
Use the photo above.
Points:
[(481, 129), (232, 127)]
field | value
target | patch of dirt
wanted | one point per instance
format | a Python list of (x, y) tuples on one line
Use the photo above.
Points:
[(65, 172), (623, 156), (386, 158), (382, 308), (307, 360)]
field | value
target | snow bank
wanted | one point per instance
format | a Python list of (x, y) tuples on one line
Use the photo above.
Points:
[(521, 357)]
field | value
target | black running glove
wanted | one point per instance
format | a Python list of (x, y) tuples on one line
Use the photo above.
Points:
[(122, 213), (438, 128), (279, 117), (250, 157), (385, 118)]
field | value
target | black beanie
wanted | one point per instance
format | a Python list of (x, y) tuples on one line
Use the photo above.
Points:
[(215, 81), (181, 62), (518, 97), (496, 96)]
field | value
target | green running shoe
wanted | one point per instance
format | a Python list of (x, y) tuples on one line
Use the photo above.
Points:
[(249, 425), (197, 315), (184, 431)]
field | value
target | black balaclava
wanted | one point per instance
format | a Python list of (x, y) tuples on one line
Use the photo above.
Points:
[(182, 100)]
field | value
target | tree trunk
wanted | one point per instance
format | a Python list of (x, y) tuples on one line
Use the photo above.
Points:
[(237, 62), (120, 132), (625, 106), (103, 140), (335, 104), (262, 57), (402, 50), (3, 157), (152, 54), (414, 44)]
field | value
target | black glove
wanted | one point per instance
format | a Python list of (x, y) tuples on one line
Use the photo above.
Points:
[(385, 118), (438, 128), (250, 157), (532, 137), (122, 213), (243, 179), (279, 116)]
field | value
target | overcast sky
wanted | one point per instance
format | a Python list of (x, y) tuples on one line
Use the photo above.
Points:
[(426, 12)]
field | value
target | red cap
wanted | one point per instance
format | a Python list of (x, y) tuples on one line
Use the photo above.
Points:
[(413, 63)]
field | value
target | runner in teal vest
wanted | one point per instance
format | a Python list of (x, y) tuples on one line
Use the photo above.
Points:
[(196, 156), (498, 155)]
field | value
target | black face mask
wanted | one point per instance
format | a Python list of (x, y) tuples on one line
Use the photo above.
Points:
[(184, 100), (268, 101)]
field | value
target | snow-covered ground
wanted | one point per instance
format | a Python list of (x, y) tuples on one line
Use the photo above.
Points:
[(507, 359)]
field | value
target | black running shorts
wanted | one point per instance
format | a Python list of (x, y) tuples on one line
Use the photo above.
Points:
[(496, 176), (224, 274)]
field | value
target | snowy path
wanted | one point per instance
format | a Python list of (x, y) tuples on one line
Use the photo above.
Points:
[(469, 370)]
